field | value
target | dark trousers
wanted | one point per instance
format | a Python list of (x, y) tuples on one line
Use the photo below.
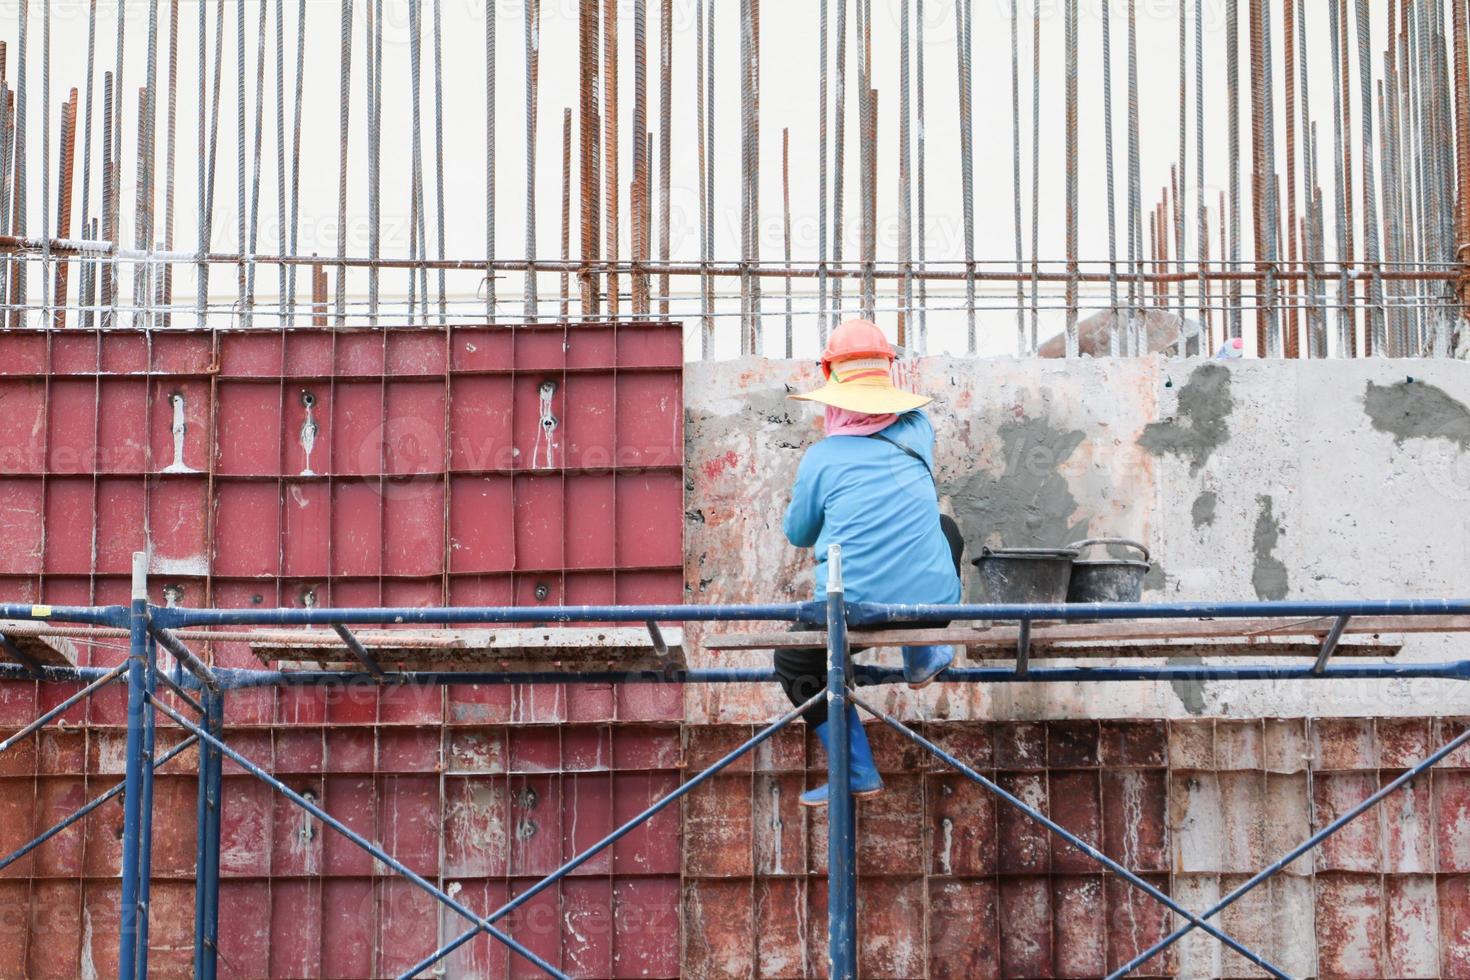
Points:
[(802, 673)]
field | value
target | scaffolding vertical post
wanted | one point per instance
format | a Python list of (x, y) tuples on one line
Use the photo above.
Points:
[(145, 830), (132, 962), (841, 835), (206, 873)]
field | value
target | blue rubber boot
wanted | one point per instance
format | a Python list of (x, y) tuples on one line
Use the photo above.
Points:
[(862, 774), (922, 664)]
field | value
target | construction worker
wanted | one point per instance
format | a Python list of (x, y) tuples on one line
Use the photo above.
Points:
[(869, 487)]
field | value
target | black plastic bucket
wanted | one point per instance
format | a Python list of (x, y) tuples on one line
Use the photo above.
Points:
[(1108, 579), (1025, 575)]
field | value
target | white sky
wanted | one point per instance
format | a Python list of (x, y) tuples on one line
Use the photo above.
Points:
[(789, 74)]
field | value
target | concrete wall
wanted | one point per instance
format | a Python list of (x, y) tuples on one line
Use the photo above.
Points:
[(1249, 479)]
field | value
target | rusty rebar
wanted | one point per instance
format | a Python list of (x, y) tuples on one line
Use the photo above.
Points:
[(1462, 144), (1346, 151), (785, 237), (63, 202), (665, 132), (19, 206), (566, 212), (533, 62), (638, 201), (1288, 31), (1071, 130), (587, 171), (608, 106)]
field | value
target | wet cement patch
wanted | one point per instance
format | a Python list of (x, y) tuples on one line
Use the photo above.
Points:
[(1202, 512), (1201, 425), (1191, 692), (1415, 410), (1030, 503), (1268, 573)]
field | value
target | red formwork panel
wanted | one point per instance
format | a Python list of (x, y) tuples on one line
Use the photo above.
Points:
[(467, 465)]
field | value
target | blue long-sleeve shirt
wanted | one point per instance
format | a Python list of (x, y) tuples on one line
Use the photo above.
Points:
[(879, 504)]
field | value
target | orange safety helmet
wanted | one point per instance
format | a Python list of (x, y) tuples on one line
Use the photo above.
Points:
[(855, 339)]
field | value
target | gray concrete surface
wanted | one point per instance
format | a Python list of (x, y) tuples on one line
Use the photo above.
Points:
[(1249, 479)]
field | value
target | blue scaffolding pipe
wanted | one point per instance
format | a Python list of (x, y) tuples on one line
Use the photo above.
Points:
[(144, 676), (135, 821), (86, 615), (841, 832), (877, 613), (790, 612), (206, 861)]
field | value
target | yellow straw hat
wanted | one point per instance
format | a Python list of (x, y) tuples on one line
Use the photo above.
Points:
[(864, 385), (857, 363)]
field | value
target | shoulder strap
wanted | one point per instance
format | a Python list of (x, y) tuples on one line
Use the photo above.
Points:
[(904, 449)]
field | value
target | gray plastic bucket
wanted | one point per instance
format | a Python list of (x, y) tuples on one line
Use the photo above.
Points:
[(1024, 575), (1108, 579)]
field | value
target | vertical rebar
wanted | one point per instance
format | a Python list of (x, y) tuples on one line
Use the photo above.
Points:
[(439, 150), (638, 200), (757, 339), (609, 108), (1374, 340), (372, 62), (280, 165), (1288, 40), (533, 48), (785, 230), (1258, 173), (147, 121), (420, 203), (709, 200), (1071, 128), (1021, 345), (919, 149), (905, 197), (89, 269), (104, 299), (63, 201), (1206, 342), (1309, 181), (1273, 208), (665, 129), (822, 172), (706, 323), (248, 306), (1462, 151), (566, 211), (491, 11), (587, 172), (1345, 254), (1181, 186), (1232, 95), (1138, 345), (296, 157), (344, 104), (18, 208), (839, 117), (967, 176)]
